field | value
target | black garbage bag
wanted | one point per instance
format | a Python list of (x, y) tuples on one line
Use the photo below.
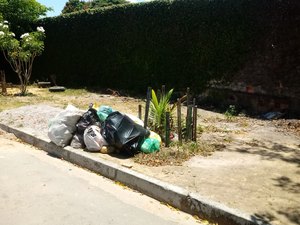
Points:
[(88, 118), (123, 133)]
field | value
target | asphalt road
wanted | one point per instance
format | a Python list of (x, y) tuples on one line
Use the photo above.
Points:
[(37, 189)]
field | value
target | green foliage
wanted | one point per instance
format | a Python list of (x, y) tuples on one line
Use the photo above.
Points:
[(231, 112), (21, 13), (158, 108), (73, 6), (133, 46), (103, 3), (21, 53), (78, 5)]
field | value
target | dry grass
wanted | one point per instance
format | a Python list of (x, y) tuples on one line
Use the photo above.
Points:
[(175, 154), (80, 98)]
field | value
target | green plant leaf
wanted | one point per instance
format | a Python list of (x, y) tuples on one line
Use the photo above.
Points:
[(154, 99)]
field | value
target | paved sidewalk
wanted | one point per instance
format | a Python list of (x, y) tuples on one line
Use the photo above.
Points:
[(36, 189)]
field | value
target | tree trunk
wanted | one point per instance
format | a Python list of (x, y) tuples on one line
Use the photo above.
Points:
[(22, 84), (3, 82)]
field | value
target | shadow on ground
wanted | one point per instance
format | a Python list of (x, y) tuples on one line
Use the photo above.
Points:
[(292, 215), (273, 151), (287, 184)]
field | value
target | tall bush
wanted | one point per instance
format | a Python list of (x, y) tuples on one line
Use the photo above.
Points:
[(179, 43)]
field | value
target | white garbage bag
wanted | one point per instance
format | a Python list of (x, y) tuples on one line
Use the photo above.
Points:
[(135, 119), (63, 126), (93, 139)]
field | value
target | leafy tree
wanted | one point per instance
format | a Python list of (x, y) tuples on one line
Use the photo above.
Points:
[(21, 13), (77, 5), (20, 54), (102, 3), (73, 6)]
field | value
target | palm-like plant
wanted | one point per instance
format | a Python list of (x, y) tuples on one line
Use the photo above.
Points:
[(158, 109)]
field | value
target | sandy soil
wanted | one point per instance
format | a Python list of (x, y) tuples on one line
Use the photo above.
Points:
[(256, 169)]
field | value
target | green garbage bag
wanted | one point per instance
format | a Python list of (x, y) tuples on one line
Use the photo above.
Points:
[(103, 112), (150, 145)]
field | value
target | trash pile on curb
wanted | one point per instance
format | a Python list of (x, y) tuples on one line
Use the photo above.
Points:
[(102, 130)]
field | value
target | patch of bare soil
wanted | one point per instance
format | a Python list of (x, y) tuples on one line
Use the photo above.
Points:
[(292, 126), (254, 166)]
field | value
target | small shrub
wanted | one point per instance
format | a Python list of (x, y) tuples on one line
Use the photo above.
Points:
[(158, 108), (231, 112)]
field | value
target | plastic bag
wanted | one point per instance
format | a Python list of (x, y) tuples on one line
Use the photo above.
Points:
[(103, 112), (62, 126), (135, 119), (87, 119), (155, 136), (123, 133), (150, 145), (93, 139), (77, 141)]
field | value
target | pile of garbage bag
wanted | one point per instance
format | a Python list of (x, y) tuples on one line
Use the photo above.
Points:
[(102, 130)]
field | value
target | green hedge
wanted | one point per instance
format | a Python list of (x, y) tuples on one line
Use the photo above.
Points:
[(178, 43)]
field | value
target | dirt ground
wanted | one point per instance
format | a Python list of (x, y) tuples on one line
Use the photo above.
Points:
[(256, 168)]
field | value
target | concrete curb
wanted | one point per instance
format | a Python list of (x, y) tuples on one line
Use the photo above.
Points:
[(177, 197)]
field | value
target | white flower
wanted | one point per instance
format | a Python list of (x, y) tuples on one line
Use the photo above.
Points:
[(12, 34), (5, 21), (24, 35), (1, 33), (27, 39), (40, 29), (5, 26)]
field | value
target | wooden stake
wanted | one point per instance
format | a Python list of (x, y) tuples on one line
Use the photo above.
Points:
[(167, 129), (189, 123), (179, 129), (194, 136), (187, 96), (187, 113), (140, 112), (147, 107)]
